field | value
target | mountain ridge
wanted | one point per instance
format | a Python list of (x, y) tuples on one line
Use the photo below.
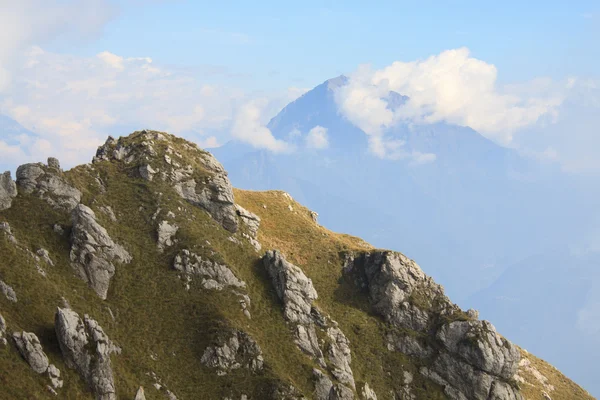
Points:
[(149, 262)]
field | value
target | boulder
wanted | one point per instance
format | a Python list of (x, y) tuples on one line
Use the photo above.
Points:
[(139, 395), (87, 349), (237, 351), (48, 183), (367, 393), (30, 348), (8, 292), (165, 233), (8, 190), (214, 275), (93, 252)]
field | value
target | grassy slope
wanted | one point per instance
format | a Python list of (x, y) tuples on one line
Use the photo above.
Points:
[(155, 315)]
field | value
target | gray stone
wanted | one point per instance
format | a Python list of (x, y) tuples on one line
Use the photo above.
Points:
[(8, 292), (2, 331), (87, 349), (293, 287), (147, 172), (48, 184), (471, 357), (139, 395), (478, 343), (30, 348), (54, 163), (323, 385), (214, 275), (54, 375), (237, 351), (165, 233), (44, 255), (93, 251), (339, 356), (251, 220), (367, 393), (8, 190)]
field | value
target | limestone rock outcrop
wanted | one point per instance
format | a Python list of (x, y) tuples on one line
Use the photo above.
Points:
[(30, 348), (8, 190), (212, 274), (252, 222), (472, 360), (297, 292), (93, 252), (236, 351), (8, 292), (47, 182), (87, 349), (3, 341), (165, 233), (214, 193), (209, 188)]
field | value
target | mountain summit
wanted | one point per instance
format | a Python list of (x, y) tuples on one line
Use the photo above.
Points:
[(146, 275)]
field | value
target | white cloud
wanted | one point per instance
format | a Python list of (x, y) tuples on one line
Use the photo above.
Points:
[(35, 22), (111, 59), (451, 87), (249, 128), (317, 138)]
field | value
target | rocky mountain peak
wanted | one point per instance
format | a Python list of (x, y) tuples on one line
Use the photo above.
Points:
[(159, 254)]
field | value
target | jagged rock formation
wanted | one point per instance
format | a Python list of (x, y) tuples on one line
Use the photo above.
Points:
[(86, 348), (8, 190), (8, 292), (237, 351), (47, 182), (93, 251), (30, 348), (252, 222), (214, 275), (467, 357), (297, 292), (211, 191), (165, 234)]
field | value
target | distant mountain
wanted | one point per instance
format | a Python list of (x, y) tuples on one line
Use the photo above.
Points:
[(469, 215)]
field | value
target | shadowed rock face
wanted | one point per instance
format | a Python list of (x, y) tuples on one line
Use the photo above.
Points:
[(466, 356), (8, 190), (86, 348), (93, 251), (47, 183)]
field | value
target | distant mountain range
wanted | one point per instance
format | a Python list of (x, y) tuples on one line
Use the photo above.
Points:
[(480, 218)]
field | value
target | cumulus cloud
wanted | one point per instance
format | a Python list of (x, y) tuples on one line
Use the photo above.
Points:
[(317, 138), (452, 87), (35, 22), (249, 128), (73, 103)]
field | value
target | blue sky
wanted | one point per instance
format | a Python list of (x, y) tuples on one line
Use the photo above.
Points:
[(521, 73), (274, 44)]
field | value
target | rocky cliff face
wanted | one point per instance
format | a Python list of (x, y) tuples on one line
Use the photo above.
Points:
[(158, 253)]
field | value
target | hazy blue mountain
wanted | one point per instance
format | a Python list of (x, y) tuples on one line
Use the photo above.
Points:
[(472, 217)]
